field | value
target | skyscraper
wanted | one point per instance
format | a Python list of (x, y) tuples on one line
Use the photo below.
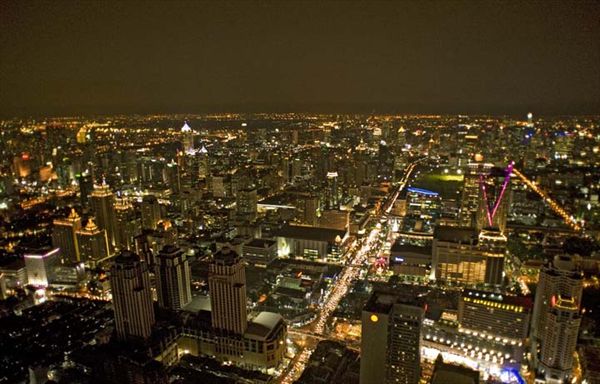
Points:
[(93, 244), (203, 166), (556, 318), (471, 193), (132, 296), (227, 286), (102, 202), (127, 225), (332, 191), (86, 186), (188, 138), (64, 236), (462, 255), (173, 278), (391, 339), (247, 204), (150, 212)]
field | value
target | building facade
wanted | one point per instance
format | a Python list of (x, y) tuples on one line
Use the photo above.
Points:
[(132, 296), (64, 237), (173, 278), (391, 339)]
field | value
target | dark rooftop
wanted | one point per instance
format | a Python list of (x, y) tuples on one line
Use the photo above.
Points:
[(456, 234), (310, 233)]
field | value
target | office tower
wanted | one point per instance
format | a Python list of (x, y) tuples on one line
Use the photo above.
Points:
[(311, 208), (296, 168), (86, 186), (64, 236), (497, 315), (423, 203), (331, 194), (127, 225), (247, 204), (556, 318), (391, 339), (471, 193), (423, 208), (132, 296), (150, 212), (227, 286), (93, 244), (493, 243), (173, 278), (285, 169), (188, 138), (102, 204), (172, 176), (464, 256), (203, 166), (40, 266)]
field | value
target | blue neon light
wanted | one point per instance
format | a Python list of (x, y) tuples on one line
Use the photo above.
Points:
[(422, 191)]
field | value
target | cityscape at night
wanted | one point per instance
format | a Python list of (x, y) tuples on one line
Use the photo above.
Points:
[(299, 200)]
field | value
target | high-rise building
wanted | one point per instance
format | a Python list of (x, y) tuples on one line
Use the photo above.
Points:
[(150, 212), (465, 256), (173, 278), (227, 286), (247, 204), (188, 138), (391, 339), (64, 236), (471, 193), (86, 186), (492, 243), (556, 318), (102, 203), (494, 314), (332, 198), (311, 208), (132, 296), (40, 266), (203, 165), (93, 244), (127, 225)]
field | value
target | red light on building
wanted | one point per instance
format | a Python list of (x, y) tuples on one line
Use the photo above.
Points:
[(25, 156), (553, 300)]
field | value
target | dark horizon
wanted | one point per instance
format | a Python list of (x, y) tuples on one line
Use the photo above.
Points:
[(102, 58)]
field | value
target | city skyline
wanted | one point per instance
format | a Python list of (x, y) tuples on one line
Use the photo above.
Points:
[(300, 192)]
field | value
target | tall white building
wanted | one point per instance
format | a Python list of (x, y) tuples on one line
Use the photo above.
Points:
[(188, 138), (556, 318)]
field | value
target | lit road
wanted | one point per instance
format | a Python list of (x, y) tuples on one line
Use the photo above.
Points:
[(556, 208), (345, 280)]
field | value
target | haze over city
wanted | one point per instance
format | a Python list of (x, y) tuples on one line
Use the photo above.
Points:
[(69, 58)]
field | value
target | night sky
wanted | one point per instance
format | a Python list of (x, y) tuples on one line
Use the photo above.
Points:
[(92, 57)]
